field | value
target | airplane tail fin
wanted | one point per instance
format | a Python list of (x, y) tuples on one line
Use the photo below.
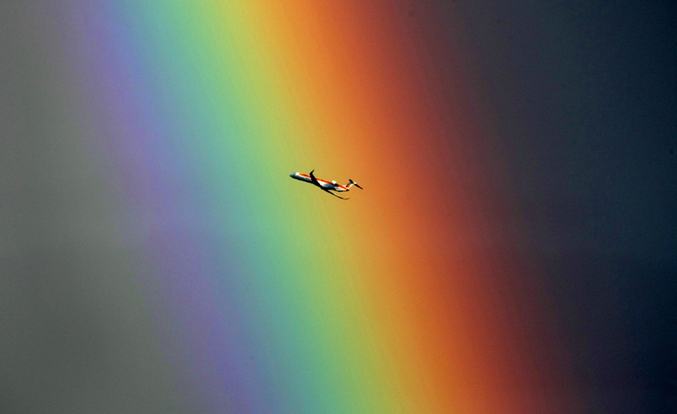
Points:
[(353, 183)]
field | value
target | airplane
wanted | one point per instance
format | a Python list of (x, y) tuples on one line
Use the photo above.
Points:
[(326, 185)]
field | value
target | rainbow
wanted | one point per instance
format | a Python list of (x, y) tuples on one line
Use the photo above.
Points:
[(281, 299)]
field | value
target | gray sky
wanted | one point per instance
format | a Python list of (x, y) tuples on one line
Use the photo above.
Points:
[(75, 336)]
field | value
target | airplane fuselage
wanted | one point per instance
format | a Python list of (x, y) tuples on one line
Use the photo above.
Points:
[(324, 184)]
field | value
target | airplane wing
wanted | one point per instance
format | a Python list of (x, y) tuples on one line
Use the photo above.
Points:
[(336, 195), (317, 183), (314, 180)]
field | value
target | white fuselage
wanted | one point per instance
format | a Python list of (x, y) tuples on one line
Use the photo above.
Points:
[(327, 185)]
